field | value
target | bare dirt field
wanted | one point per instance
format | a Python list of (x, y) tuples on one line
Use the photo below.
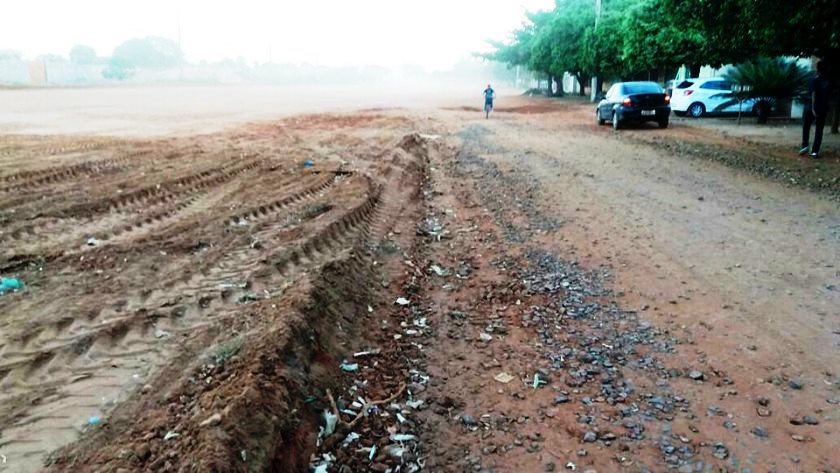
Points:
[(417, 289)]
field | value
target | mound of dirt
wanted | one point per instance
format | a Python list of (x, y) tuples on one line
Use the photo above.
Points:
[(189, 301)]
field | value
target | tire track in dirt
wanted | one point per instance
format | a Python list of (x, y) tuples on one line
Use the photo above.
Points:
[(46, 184), (33, 180), (335, 237), (155, 204), (298, 191), (24, 149), (220, 244), (108, 336)]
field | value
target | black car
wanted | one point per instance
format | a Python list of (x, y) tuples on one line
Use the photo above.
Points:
[(634, 102)]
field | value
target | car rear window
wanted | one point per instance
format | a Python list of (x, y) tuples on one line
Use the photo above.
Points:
[(642, 88), (685, 84)]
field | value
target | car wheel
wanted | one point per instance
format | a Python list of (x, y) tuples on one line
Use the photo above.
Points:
[(601, 121), (696, 110), (616, 124), (663, 123)]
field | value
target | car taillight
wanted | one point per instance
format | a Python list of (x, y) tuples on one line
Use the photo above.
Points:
[(688, 92), (627, 102), (667, 99)]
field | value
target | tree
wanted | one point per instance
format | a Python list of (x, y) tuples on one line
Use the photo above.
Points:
[(151, 53), (601, 49), (653, 41), (50, 58), (84, 55), (118, 69), (722, 31), (798, 28), (8, 54), (565, 33), (633, 37)]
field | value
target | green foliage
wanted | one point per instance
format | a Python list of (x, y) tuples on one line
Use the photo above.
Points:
[(778, 78), (601, 51), (81, 54), (50, 58), (9, 55), (724, 29), (636, 36), (118, 69), (564, 36), (150, 53), (767, 80), (652, 40), (796, 28)]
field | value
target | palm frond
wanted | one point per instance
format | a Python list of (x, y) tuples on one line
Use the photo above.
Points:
[(766, 80)]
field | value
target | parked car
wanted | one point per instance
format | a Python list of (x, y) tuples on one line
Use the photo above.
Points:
[(634, 102), (698, 97)]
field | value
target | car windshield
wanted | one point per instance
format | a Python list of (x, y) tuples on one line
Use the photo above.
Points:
[(641, 88)]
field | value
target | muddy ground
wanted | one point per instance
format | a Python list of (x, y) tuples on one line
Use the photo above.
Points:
[(407, 290)]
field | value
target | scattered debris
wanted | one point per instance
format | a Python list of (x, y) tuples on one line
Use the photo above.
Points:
[(330, 421), (10, 285), (366, 353), (503, 378), (160, 333), (215, 419), (439, 271), (349, 367)]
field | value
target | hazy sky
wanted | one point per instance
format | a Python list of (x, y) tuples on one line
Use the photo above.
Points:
[(431, 33)]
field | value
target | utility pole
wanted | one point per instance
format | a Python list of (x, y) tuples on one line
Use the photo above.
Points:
[(594, 86)]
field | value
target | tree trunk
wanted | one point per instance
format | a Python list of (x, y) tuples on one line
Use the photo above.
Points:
[(835, 122), (582, 81), (763, 112), (552, 92), (694, 70), (599, 87), (560, 88)]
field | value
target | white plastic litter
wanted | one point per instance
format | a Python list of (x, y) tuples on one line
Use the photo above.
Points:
[(503, 377), (330, 420)]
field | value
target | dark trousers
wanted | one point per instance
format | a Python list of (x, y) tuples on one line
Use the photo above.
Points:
[(807, 120)]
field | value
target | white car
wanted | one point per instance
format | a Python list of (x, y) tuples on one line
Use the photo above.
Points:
[(697, 97)]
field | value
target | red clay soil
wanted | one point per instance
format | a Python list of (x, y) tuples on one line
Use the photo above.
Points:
[(524, 293)]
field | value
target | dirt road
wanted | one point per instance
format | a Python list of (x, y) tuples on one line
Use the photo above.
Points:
[(567, 297)]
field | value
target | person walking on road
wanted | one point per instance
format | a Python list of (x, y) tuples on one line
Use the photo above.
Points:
[(816, 110), (489, 95)]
